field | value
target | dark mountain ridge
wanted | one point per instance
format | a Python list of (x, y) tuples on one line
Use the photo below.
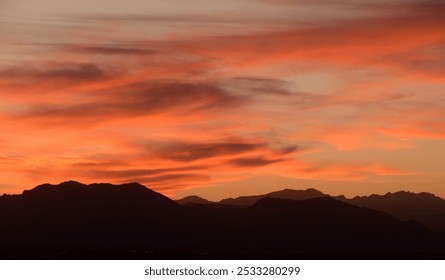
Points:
[(425, 208), (73, 220), (286, 194), (71, 195), (192, 199)]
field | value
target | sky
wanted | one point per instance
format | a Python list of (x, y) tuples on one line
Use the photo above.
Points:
[(224, 98)]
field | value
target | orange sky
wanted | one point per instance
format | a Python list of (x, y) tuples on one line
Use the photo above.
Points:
[(224, 98)]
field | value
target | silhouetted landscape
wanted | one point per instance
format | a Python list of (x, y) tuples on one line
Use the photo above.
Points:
[(104, 221)]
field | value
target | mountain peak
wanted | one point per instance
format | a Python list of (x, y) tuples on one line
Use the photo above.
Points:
[(296, 194), (43, 188), (423, 207), (192, 199), (75, 185), (397, 195), (73, 190), (291, 194)]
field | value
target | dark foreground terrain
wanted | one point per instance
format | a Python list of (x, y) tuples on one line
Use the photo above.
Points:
[(104, 221)]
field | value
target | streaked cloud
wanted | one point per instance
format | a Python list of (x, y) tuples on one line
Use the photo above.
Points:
[(188, 97)]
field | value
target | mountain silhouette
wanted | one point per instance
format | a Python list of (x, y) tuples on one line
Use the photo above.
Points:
[(74, 196), (104, 221), (285, 194), (192, 199), (74, 213), (327, 221), (425, 208)]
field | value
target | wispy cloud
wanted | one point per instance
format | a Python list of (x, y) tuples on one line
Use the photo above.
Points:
[(184, 98)]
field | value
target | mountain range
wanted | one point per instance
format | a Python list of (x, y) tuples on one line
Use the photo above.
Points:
[(104, 221), (425, 208)]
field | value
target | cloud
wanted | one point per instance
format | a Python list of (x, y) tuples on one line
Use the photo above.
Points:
[(416, 130), (163, 181), (139, 99), (425, 62), (53, 79), (345, 171), (180, 164), (109, 50), (362, 4), (259, 86), (224, 104), (353, 42), (253, 161), (137, 173), (74, 73), (187, 152)]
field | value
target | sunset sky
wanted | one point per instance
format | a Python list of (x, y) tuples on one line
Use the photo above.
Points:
[(224, 98)]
